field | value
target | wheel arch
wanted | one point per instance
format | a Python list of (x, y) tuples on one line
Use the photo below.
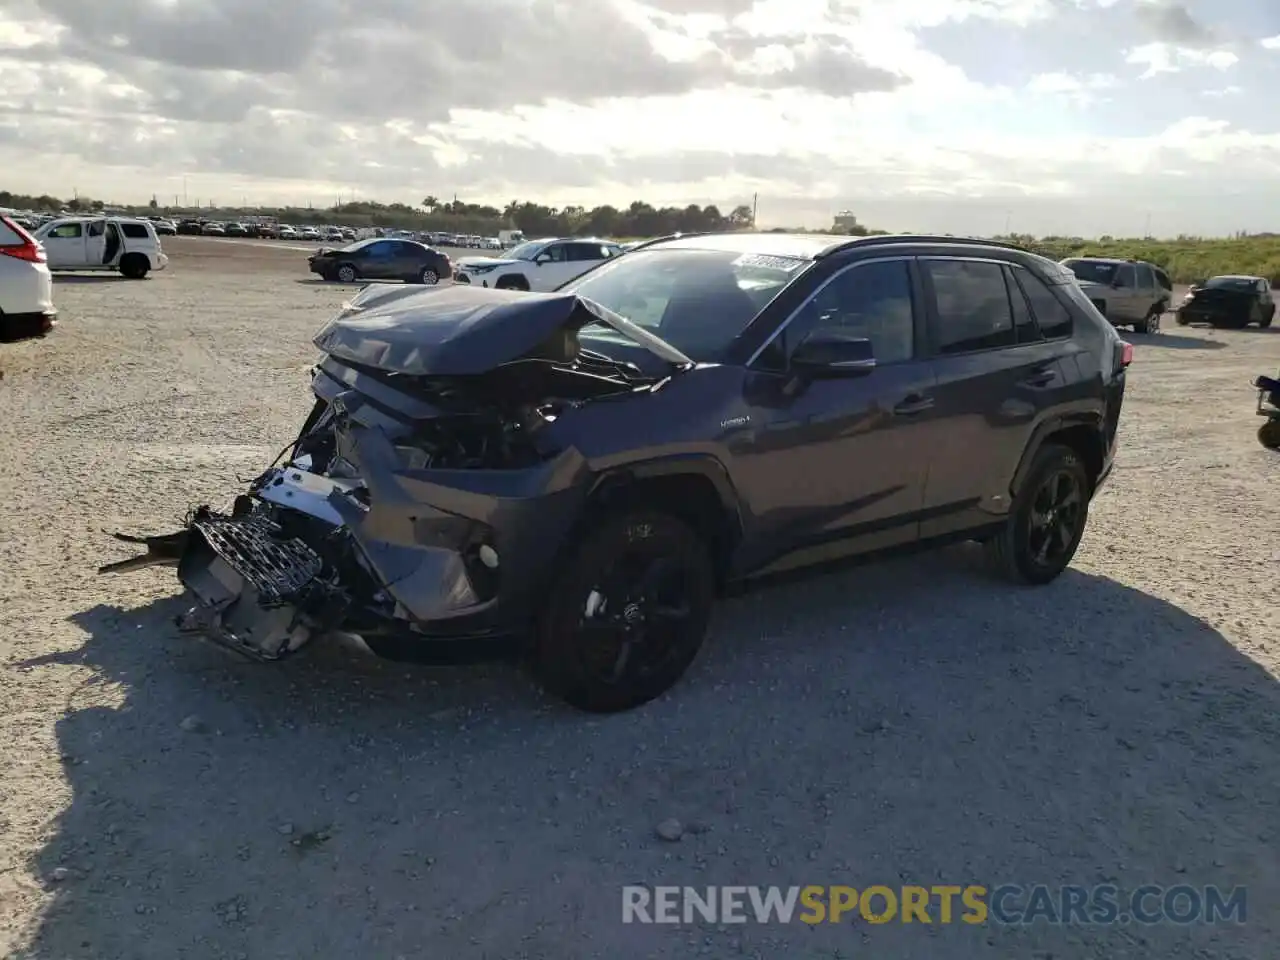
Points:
[(1084, 433), (696, 489)]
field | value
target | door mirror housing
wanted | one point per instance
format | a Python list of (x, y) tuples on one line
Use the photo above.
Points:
[(830, 353)]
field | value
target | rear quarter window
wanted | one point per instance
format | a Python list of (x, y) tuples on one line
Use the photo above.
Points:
[(135, 231), (1052, 316)]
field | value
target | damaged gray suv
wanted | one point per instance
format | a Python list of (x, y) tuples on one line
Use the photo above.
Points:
[(582, 471)]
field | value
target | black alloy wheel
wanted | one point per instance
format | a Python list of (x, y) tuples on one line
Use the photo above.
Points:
[(1047, 521), (628, 615)]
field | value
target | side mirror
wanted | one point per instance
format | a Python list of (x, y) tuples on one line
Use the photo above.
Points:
[(830, 353)]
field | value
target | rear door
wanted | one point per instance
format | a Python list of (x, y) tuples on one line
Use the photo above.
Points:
[(997, 375), (1125, 305)]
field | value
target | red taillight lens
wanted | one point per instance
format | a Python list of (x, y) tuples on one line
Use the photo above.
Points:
[(28, 248), (1126, 354)]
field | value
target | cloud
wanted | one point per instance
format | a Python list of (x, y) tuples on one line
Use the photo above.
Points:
[(1173, 24), (815, 104)]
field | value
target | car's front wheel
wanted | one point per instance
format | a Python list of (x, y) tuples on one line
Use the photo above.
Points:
[(429, 277), (1268, 314), (1047, 521), (628, 613)]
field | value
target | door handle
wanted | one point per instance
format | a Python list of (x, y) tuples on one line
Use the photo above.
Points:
[(915, 403), (1041, 378)]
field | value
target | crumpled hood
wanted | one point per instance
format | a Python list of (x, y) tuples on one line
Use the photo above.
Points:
[(460, 330)]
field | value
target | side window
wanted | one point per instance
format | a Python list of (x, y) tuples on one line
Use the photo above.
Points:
[(1146, 279), (1126, 276), (382, 250), (1024, 322), (581, 252), (1053, 318), (871, 300), (97, 228), (556, 253), (135, 231), (67, 231), (973, 306)]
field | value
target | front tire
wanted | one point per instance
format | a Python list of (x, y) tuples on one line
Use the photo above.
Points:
[(1268, 315), (628, 614), (1152, 322), (1047, 521), (428, 277), (1269, 434), (512, 283)]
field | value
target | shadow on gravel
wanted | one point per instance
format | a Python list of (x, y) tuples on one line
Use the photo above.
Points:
[(89, 278), (1173, 341), (913, 722)]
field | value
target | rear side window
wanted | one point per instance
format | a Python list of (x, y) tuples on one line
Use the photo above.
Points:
[(586, 252), (1126, 276), (135, 231), (972, 304), (1053, 318), (1145, 278)]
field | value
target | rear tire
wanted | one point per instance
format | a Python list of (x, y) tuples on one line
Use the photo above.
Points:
[(346, 273), (134, 266), (1047, 521), (627, 614), (1268, 315)]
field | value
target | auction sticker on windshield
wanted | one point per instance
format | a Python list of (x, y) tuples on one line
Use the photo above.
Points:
[(765, 262)]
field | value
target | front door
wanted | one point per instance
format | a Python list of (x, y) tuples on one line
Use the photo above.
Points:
[(832, 467), (551, 268), (64, 245), (998, 373)]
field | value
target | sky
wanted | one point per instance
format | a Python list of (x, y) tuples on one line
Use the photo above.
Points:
[(1077, 117)]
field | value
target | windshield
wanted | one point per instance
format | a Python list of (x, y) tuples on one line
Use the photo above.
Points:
[(526, 251), (696, 300), (1092, 271), (1240, 284)]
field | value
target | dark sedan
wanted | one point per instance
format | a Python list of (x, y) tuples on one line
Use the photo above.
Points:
[(382, 259), (1229, 301)]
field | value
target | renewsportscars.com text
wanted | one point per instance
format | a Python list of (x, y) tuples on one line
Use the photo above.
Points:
[(1007, 904)]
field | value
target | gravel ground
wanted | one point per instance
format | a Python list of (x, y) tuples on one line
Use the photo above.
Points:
[(913, 722)]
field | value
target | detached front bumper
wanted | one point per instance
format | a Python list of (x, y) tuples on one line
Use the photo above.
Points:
[(417, 569)]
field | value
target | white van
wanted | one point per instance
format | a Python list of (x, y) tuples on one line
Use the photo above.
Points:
[(125, 244)]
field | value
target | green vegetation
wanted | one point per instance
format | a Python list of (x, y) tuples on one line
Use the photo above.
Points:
[(1186, 259)]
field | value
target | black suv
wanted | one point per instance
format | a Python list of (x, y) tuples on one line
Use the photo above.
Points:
[(587, 468)]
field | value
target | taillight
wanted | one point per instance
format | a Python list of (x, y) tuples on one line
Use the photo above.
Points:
[(28, 248), (1126, 353)]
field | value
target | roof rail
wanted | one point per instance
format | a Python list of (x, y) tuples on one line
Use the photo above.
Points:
[(884, 238), (672, 236)]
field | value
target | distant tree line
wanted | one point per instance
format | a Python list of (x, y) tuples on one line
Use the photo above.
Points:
[(1185, 258)]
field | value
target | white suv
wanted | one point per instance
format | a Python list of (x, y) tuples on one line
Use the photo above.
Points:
[(103, 243), (26, 288), (539, 265)]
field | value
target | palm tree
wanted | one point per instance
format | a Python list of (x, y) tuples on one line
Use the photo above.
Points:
[(431, 203)]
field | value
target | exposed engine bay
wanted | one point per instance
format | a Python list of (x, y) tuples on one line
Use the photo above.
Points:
[(409, 486)]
